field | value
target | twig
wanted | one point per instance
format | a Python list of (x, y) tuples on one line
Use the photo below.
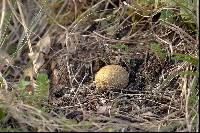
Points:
[(2, 16), (75, 23), (113, 40), (197, 37), (4, 84), (176, 28)]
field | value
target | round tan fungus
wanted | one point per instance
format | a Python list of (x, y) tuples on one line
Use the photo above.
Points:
[(111, 76)]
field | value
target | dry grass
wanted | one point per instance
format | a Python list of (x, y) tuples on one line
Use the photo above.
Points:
[(86, 36)]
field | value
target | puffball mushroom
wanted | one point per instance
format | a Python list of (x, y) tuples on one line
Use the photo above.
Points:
[(111, 76)]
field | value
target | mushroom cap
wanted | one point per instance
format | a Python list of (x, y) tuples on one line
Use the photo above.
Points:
[(111, 76)]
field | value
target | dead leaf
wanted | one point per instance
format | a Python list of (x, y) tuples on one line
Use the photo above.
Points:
[(103, 109), (147, 114), (28, 72), (44, 44), (55, 77), (39, 62), (5, 59), (41, 48), (2, 97)]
